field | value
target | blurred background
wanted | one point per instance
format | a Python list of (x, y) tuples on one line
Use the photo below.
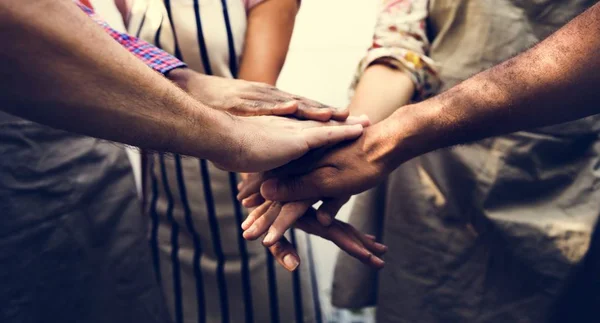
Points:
[(326, 52)]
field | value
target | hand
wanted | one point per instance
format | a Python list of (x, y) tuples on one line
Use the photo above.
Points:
[(278, 217), (341, 171), (346, 237), (245, 98), (254, 144)]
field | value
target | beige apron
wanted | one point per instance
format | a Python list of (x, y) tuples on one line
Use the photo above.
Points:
[(484, 232), (208, 272)]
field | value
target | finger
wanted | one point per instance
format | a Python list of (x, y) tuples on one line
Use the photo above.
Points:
[(371, 244), (285, 254), (290, 213), (304, 187), (345, 240), (262, 224), (253, 200), (312, 113), (251, 186), (340, 114), (285, 108), (370, 236), (316, 137), (255, 214), (352, 120), (362, 120), (329, 209)]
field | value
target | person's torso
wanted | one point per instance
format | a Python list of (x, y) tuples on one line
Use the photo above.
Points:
[(493, 226), (208, 35), (207, 269)]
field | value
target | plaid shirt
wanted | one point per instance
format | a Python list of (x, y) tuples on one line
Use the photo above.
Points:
[(154, 57)]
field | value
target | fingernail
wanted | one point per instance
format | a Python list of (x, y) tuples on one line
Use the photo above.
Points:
[(269, 189), (290, 262), (269, 238), (245, 224), (245, 201), (252, 229), (382, 247)]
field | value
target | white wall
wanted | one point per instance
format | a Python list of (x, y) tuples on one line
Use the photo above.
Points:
[(329, 39)]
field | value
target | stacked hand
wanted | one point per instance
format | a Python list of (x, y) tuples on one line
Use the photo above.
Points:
[(285, 195), (266, 139), (257, 127)]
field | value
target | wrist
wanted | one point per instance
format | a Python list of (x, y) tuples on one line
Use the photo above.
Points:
[(199, 130), (410, 132), (181, 77)]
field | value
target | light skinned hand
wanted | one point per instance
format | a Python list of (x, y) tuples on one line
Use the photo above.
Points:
[(256, 144), (275, 218)]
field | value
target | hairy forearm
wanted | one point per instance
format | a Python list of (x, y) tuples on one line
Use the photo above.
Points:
[(270, 27), (556, 81), (65, 72), (380, 92)]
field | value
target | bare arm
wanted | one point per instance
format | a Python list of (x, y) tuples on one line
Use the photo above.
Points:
[(64, 71), (555, 81), (396, 67), (380, 92), (270, 27)]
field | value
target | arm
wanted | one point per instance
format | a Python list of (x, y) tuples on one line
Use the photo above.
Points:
[(555, 81), (124, 7), (57, 78), (394, 71), (89, 84), (396, 68), (270, 27), (380, 92)]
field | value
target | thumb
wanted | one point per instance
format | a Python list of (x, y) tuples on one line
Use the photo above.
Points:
[(309, 186), (283, 109), (329, 209)]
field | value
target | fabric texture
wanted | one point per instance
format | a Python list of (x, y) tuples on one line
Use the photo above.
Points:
[(207, 270), (249, 4), (485, 232), (401, 41), (152, 56), (73, 243)]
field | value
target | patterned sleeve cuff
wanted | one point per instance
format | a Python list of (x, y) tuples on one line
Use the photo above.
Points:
[(151, 55), (422, 70)]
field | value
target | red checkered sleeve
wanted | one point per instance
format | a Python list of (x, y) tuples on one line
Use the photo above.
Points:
[(153, 56)]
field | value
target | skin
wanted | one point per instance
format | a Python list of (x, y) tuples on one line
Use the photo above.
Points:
[(74, 77), (381, 91), (270, 26), (543, 86), (269, 30)]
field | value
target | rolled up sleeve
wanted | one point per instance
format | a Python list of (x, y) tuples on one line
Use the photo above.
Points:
[(400, 41)]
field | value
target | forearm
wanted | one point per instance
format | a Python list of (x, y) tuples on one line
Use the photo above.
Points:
[(65, 72), (270, 27), (381, 91), (556, 81)]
